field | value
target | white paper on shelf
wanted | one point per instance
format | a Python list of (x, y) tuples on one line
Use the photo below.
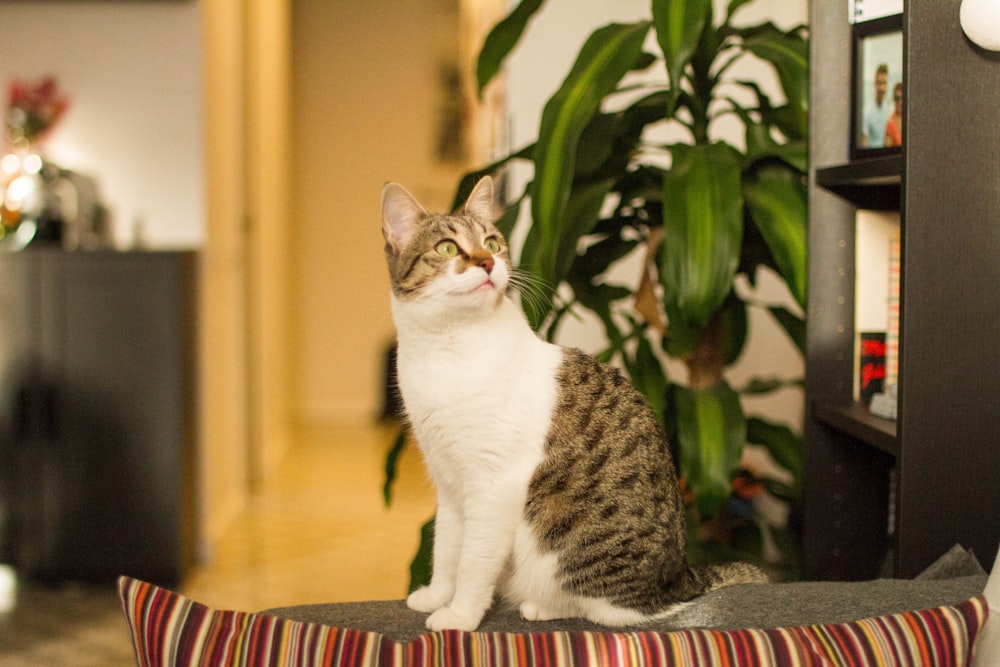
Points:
[(885, 405), (874, 234)]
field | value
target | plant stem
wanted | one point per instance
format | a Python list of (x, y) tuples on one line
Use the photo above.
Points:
[(706, 363)]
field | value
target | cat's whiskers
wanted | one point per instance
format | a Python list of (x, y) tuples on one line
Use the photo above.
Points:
[(531, 289)]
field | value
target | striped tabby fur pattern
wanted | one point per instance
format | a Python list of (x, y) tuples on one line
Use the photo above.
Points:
[(555, 485)]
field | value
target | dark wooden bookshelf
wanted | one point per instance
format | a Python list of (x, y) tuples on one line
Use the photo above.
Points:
[(936, 467), (873, 183)]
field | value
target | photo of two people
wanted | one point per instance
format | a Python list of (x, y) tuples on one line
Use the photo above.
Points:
[(878, 93)]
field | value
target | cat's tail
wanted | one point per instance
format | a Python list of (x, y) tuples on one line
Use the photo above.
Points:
[(719, 575), (700, 579)]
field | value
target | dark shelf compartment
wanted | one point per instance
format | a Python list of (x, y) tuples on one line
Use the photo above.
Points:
[(855, 420), (872, 183)]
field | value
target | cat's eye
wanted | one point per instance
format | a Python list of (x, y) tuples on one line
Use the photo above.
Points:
[(447, 249), (492, 245)]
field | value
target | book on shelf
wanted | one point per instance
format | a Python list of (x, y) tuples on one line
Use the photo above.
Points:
[(885, 404), (871, 365), (892, 320)]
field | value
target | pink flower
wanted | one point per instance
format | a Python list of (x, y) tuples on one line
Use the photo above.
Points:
[(33, 109)]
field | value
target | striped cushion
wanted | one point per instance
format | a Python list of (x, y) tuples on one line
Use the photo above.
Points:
[(169, 629)]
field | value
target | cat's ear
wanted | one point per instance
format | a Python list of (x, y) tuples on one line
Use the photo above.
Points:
[(400, 214), (480, 201)]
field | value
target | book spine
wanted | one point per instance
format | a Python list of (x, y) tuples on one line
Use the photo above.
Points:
[(892, 324)]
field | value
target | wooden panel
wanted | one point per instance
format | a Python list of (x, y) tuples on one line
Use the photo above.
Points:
[(845, 531), (833, 493), (950, 388)]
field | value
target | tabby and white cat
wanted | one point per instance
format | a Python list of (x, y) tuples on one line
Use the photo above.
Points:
[(555, 485)]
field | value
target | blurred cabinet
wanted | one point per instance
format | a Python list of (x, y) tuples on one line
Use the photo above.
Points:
[(97, 405)]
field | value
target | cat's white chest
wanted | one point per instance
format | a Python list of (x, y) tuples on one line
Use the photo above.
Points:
[(480, 396)]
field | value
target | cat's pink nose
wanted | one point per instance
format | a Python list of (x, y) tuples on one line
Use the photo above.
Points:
[(486, 262)]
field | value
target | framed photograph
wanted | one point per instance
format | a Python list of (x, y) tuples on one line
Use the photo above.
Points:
[(877, 95)]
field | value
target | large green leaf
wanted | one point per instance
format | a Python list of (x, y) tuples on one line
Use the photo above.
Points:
[(711, 430), (760, 144), (784, 446), (604, 59), (469, 180), (734, 328), (609, 140), (501, 41), (758, 386), (794, 153), (679, 25), (794, 326), (777, 203), (601, 254), (734, 5), (581, 214), (505, 223), (597, 143), (648, 377), (681, 338), (421, 565), (784, 117), (789, 53), (702, 231), (392, 463)]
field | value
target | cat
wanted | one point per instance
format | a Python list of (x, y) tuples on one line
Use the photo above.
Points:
[(555, 485)]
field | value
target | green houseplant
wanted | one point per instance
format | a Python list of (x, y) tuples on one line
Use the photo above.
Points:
[(702, 210)]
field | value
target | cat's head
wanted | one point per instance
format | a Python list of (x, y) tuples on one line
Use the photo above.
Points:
[(455, 263)]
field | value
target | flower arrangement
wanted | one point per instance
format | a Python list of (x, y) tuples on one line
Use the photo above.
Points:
[(33, 109)]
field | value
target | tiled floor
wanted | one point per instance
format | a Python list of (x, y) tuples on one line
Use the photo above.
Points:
[(319, 530)]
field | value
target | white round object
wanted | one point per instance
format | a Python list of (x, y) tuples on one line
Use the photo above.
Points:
[(8, 589), (981, 22)]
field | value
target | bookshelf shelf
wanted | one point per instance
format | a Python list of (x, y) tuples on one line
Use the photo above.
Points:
[(884, 170), (873, 183), (934, 468), (855, 420)]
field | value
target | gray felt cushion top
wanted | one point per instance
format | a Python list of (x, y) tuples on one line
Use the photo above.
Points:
[(763, 606), (955, 578)]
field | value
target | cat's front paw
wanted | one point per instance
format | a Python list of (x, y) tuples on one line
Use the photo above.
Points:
[(532, 611), (446, 619), (426, 599)]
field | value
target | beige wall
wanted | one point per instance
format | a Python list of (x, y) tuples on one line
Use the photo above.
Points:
[(223, 464), (244, 328), (133, 74), (365, 96), (268, 180)]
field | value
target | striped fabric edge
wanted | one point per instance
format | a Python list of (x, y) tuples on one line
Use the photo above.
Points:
[(168, 629)]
